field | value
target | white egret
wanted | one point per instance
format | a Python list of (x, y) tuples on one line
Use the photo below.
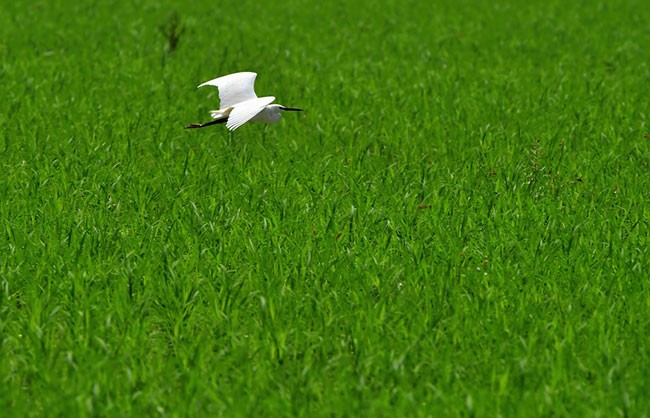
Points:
[(239, 103)]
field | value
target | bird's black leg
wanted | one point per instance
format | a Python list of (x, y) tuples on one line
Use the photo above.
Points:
[(203, 125)]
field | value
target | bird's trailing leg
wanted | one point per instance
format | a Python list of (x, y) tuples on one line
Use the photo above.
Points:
[(203, 125)]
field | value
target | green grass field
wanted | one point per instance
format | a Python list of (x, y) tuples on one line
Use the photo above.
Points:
[(457, 226)]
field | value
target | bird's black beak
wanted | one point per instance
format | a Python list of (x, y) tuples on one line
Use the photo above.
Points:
[(291, 109)]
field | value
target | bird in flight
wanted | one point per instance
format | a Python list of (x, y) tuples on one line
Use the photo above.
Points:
[(239, 103)]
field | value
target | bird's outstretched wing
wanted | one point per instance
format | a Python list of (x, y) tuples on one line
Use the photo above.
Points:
[(234, 88), (243, 112)]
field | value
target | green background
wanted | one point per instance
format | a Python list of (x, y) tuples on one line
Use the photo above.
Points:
[(457, 224)]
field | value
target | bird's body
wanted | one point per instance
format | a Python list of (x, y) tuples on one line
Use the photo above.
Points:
[(239, 103)]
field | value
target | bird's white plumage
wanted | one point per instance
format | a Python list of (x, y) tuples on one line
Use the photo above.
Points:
[(239, 103), (245, 111), (234, 88)]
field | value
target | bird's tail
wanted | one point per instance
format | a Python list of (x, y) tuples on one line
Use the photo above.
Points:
[(217, 114)]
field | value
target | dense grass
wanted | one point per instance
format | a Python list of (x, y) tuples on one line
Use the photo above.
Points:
[(457, 225)]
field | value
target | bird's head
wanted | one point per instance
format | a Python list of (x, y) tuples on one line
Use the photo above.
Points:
[(275, 111)]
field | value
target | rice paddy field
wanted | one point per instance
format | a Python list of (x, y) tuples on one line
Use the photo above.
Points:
[(457, 225)]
